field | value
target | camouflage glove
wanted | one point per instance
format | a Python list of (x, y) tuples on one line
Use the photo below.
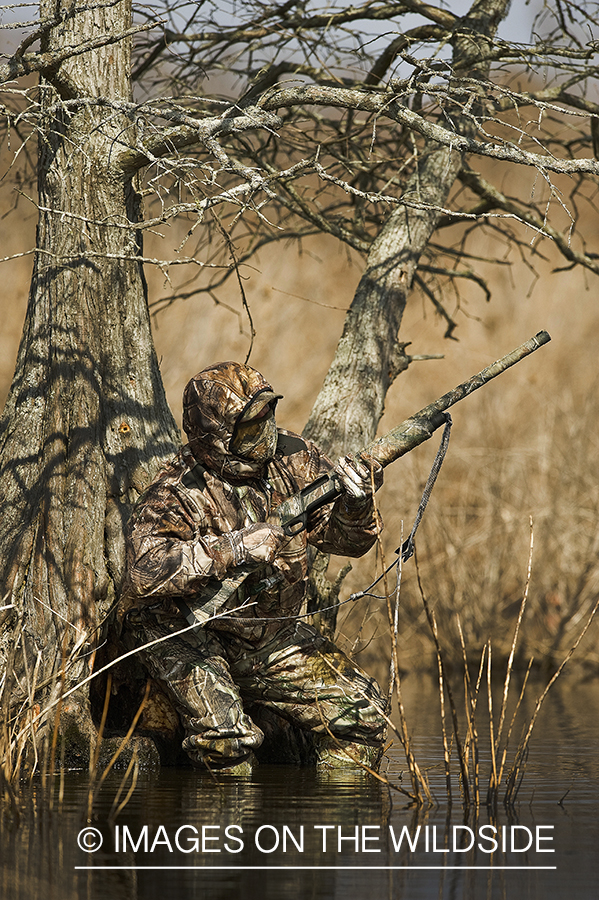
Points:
[(258, 543), (356, 478)]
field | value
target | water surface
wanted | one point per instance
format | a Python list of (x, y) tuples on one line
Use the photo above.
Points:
[(294, 832)]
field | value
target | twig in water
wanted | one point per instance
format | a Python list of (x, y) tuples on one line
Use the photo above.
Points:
[(496, 777), (120, 748), (419, 782), (517, 773), (133, 765), (444, 683), (491, 796), (471, 699)]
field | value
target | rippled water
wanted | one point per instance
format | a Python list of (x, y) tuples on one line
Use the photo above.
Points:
[(294, 833)]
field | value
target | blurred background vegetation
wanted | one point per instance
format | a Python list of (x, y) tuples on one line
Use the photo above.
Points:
[(525, 446)]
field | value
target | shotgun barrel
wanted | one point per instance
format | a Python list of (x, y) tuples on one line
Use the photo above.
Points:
[(420, 427)]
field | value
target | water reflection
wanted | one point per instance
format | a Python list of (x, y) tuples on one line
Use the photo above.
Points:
[(294, 832)]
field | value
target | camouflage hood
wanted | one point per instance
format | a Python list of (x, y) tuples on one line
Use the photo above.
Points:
[(214, 402)]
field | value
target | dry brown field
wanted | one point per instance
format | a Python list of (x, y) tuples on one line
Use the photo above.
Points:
[(524, 448)]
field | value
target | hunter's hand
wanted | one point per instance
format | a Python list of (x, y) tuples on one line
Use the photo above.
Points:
[(257, 543), (356, 477)]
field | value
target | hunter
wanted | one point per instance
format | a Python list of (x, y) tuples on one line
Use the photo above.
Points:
[(204, 516)]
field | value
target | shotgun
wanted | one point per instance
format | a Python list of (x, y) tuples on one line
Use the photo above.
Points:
[(293, 515)]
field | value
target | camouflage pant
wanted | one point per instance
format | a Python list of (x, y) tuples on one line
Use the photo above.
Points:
[(299, 674)]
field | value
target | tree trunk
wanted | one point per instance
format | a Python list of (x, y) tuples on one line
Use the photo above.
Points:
[(86, 423), (369, 356)]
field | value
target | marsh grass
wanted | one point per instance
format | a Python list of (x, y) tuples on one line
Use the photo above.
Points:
[(477, 606), (528, 445), (464, 743), (472, 543), (509, 460)]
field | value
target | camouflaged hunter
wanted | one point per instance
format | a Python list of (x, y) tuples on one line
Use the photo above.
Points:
[(205, 516)]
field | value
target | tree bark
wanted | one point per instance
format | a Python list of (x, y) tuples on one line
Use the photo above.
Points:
[(86, 423), (369, 355)]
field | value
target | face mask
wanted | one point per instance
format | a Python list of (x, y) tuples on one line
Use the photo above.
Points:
[(256, 439)]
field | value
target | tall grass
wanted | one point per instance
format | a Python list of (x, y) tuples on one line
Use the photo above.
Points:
[(525, 446), (468, 780), (472, 541)]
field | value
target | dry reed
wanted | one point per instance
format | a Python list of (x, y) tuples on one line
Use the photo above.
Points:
[(469, 751)]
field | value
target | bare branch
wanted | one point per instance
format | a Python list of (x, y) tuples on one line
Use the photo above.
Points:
[(20, 64), (494, 196)]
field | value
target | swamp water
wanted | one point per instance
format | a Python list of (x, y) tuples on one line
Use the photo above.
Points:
[(294, 833)]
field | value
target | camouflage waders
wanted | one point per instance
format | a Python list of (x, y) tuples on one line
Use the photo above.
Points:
[(298, 673)]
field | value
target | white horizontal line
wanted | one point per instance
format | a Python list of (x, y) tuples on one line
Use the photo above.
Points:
[(313, 868)]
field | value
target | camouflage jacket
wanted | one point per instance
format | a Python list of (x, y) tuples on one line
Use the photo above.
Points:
[(176, 539)]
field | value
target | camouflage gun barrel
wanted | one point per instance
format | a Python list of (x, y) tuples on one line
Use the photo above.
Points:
[(420, 427), (294, 513)]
